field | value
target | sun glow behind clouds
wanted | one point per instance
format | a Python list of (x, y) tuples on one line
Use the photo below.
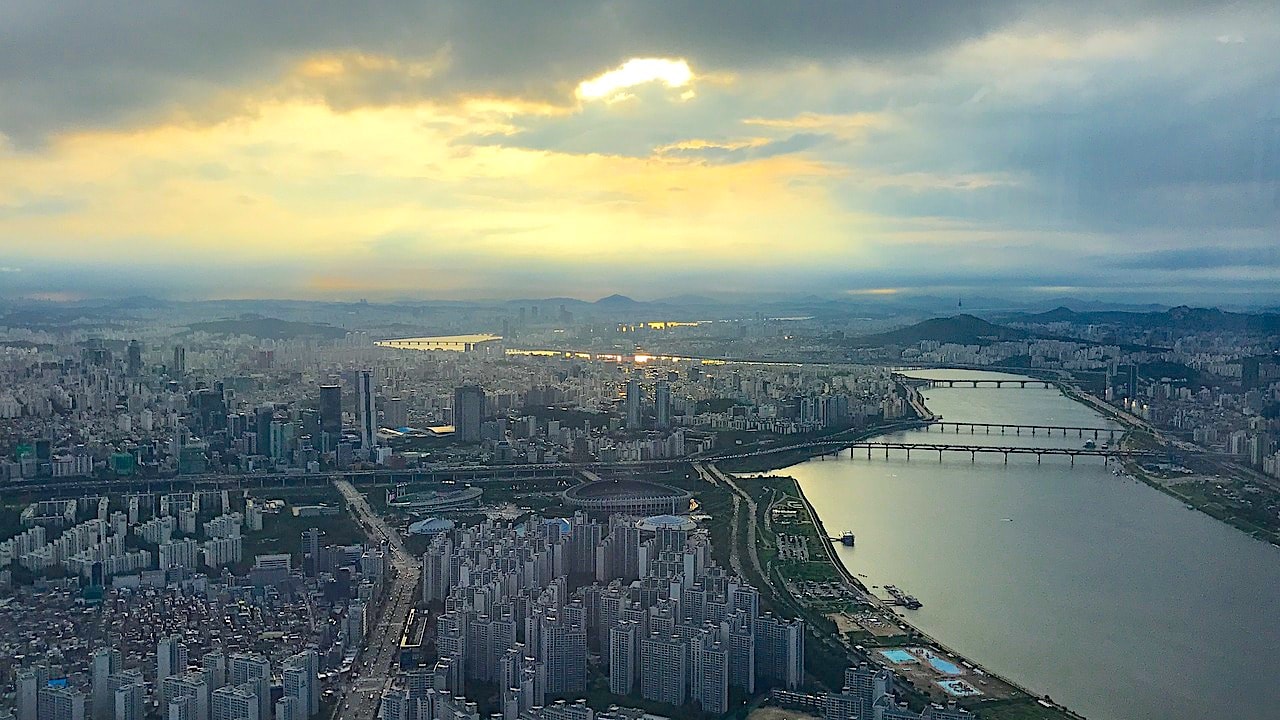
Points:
[(611, 86)]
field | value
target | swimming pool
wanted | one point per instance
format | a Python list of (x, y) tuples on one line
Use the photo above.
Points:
[(959, 688), (899, 657), (944, 666)]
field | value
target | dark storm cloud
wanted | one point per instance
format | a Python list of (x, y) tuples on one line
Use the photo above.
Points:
[(75, 64)]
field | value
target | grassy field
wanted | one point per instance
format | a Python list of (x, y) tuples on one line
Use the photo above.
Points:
[(282, 532)]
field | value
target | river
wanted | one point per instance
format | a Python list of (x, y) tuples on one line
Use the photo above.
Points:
[(1104, 593)]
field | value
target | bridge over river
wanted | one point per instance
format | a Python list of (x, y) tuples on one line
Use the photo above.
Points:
[(1004, 450), (1017, 429)]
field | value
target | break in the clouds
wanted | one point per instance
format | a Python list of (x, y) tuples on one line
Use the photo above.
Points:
[(499, 149)]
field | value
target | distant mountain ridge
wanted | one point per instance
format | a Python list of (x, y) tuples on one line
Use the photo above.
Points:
[(267, 328), (1182, 318), (961, 329)]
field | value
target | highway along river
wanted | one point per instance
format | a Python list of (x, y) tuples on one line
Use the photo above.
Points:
[(1109, 596)]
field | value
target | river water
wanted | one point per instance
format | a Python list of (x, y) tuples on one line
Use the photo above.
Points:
[(1111, 597)]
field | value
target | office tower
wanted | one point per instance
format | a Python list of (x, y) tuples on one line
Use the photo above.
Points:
[(663, 669), (235, 703), (130, 702), (662, 403), (356, 623), (468, 412), (171, 657), (253, 672), (262, 418), (622, 658), (105, 661), (330, 415), (311, 551), (193, 685), (134, 359), (394, 414), (281, 434), (302, 682), (61, 703), (633, 404), (179, 361), (366, 415)]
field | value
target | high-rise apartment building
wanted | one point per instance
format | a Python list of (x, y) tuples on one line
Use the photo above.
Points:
[(301, 679), (622, 658), (171, 657), (104, 662), (130, 702), (193, 685), (252, 672), (663, 669), (234, 702), (61, 703)]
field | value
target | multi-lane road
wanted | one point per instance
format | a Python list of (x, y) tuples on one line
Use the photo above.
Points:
[(374, 669)]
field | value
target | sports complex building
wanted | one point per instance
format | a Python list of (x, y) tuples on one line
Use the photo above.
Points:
[(432, 500), (633, 497)]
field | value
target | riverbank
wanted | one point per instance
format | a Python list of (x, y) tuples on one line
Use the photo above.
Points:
[(1001, 698), (1021, 703), (1064, 578)]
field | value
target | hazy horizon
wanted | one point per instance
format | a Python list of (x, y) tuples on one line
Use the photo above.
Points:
[(477, 150)]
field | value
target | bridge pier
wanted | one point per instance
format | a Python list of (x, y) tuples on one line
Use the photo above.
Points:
[(939, 454), (1006, 458), (973, 456), (1037, 458), (1073, 460), (908, 454)]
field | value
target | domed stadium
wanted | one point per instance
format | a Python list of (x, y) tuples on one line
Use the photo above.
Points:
[(431, 526), (635, 497), (655, 523), (433, 500)]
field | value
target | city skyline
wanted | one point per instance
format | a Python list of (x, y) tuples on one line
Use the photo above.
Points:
[(471, 150)]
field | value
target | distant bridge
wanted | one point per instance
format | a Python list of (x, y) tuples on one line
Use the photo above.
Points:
[(1006, 451), (1017, 429), (979, 382)]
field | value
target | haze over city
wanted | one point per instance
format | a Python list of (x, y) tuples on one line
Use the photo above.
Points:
[(483, 150), (622, 360)]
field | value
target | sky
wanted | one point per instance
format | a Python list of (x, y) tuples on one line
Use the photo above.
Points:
[(477, 149)]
